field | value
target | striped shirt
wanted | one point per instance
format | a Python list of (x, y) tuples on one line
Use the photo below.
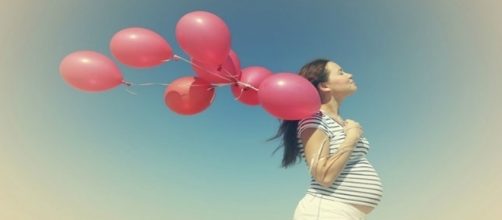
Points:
[(358, 183)]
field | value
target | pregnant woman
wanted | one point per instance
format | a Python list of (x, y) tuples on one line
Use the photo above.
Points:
[(344, 185)]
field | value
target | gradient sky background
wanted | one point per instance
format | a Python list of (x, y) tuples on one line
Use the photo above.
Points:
[(428, 74)]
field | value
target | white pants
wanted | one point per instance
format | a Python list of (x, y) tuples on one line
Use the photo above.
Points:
[(319, 208)]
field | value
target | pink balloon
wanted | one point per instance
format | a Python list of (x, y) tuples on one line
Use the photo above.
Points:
[(140, 47), (289, 96), (226, 73), (188, 95), (235, 60), (90, 71), (204, 36), (253, 76)]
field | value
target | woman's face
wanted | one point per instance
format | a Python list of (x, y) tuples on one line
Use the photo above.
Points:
[(339, 82)]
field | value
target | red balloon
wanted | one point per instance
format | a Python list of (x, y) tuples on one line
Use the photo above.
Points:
[(140, 47), (90, 71), (253, 76), (236, 61), (227, 73), (188, 95), (289, 96), (204, 36)]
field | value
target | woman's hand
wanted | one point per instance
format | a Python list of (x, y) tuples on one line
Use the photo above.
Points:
[(353, 131)]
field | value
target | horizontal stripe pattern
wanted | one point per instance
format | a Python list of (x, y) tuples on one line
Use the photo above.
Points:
[(358, 183)]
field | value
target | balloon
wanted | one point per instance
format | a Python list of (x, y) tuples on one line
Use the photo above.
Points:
[(188, 95), (228, 72), (140, 47), (253, 76), (204, 36), (289, 96), (90, 71), (235, 60)]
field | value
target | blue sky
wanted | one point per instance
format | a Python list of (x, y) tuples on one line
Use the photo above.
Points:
[(427, 78)]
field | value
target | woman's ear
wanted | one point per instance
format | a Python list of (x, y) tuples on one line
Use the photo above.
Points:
[(323, 87)]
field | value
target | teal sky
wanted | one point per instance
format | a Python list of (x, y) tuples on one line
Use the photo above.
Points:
[(428, 79)]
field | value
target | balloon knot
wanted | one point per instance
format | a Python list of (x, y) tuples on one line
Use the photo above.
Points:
[(128, 84)]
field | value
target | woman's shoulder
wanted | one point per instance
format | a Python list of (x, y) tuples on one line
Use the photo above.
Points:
[(315, 120), (317, 116)]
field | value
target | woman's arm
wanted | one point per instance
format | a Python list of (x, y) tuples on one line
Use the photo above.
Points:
[(325, 168)]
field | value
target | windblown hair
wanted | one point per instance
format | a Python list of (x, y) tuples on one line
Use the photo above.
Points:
[(315, 72)]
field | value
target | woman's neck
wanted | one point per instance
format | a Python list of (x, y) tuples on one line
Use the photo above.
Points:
[(332, 107)]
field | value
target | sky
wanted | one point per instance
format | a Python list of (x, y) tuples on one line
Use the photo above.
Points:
[(428, 85)]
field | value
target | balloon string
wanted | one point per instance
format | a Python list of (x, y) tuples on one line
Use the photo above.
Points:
[(243, 88), (224, 70), (129, 84), (230, 75), (240, 94), (212, 98), (130, 92), (143, 84), (176, 57), (247, 85)]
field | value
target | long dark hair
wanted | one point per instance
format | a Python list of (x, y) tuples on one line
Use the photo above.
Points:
[(315, 72)]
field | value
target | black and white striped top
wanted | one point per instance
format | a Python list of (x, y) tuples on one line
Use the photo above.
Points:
[(358, 182)]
